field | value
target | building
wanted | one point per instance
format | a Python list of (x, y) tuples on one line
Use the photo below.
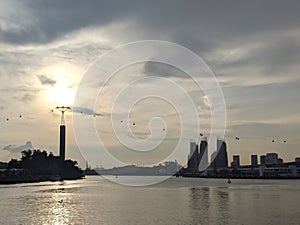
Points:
[(203, 155), (221, 159), (263, 160), (213, 156), (254, 160), (193, 156), (271, 158), (283, 171), (235, 161)]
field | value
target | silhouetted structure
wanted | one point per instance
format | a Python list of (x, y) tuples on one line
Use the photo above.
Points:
[(62, 132), (221, 159), (193, 157), (263, 160), (254, 160), (235, 161), (271, 158), (62, 142), (203, 155), (271, 165)]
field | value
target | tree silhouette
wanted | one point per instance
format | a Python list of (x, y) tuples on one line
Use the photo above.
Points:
[(41, 165)]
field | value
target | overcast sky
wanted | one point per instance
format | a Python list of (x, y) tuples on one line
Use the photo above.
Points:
[(253, 47)]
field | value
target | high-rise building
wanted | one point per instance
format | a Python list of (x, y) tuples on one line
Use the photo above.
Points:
[(235, 161), (254, 160), (262, 160), (213, 156), (203, 155), (271, 158), (221, 159), (193, 156)]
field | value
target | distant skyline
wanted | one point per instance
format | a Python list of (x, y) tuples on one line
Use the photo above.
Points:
[(252, 47)]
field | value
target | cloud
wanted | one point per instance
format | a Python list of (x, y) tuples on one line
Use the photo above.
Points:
[(163, 70), (18, 149), (16, 92), (86, 111), (253, 51), (214, 21), (28, 23), (46, 80), (27, 97)]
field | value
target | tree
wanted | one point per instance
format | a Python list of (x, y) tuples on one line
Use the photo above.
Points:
[(13, 163), (40, 164)]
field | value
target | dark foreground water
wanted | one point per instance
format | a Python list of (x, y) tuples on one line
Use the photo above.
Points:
[(95, 200)]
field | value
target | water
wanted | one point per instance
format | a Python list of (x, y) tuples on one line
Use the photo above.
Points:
[(184, 201)]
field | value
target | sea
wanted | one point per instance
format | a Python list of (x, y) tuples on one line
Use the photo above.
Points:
[(177, 200)]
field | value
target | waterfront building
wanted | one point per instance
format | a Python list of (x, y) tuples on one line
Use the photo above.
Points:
[(262, 160), (193, 156), (288, 170), (221, 159), (254, 160), (203, 155), (213, 156), (285, 170), (235, 161), (271, 158)]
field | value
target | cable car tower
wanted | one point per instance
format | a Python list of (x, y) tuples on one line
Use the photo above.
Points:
[(62, 132)]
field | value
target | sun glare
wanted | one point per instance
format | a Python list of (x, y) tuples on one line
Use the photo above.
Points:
[(61, 93)]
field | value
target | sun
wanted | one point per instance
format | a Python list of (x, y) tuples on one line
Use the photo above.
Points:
[(61, 93)]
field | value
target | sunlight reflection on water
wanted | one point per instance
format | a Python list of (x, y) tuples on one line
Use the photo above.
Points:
[(177, 201)]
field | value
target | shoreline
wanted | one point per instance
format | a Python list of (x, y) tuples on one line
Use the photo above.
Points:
[(247, 178), (235, 178), (19, 181)]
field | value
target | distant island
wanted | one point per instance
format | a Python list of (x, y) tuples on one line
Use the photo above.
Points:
[(37, 166), (168, 168)]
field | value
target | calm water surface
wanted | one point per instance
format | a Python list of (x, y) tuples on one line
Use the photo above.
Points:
[(184, 201)]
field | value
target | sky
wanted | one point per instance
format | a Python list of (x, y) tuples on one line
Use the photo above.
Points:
[(47, 48)]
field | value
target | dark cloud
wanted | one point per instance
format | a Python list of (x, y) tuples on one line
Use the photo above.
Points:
[(86, 111), (46, 80), (162, 70), (273, 57), (52, 20), (18, 149), (188, 23)]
